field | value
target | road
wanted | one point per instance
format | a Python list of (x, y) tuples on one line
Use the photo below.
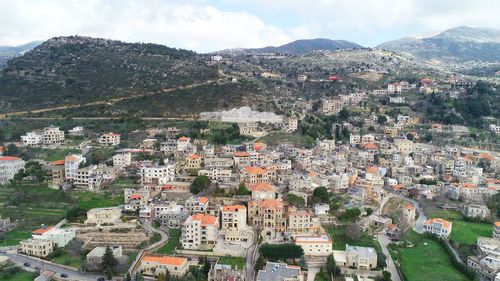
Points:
[(383, 240), (163, 240), (419, 225), (73, 275), (250, 262)]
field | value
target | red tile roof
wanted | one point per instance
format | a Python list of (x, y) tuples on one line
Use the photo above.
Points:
[(41, 231), (57, 162), (205, 219), (166, 260), (9, 158)]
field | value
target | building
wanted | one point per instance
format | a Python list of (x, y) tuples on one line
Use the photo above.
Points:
[(280, 272), (4, 224), (157, 175), (171, 216), (408, 215), (122, 160), (332, 106), (218, 175), (153, 265), (439, 227), (37, 247), (234, 223), (361, 258), (76, 131), (110, 139), (52, 135), (268, 215), (90, 177), (94, 257), (262, 190), (225, 272), (9, 167), (476, 211), (321, 209), (193, 162), (302, 221), (251, 175), (99, 216), (71, 164), (199, 232), (197, 204), (31, 139), (59, 236), (496, 230), (320, 245)]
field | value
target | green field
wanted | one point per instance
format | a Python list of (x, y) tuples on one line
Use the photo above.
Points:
[(464, 232), (340, 239), (88, 200), (234, 262), (173, 239), (122, 183), (274, 139), (426, 260), (71, 260), (9, 272)]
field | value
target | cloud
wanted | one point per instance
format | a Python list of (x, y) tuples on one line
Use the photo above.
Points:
[(198, 27)]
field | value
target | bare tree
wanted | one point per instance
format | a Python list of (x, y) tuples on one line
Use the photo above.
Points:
[(353, 231)]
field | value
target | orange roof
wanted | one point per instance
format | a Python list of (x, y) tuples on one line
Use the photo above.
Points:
[(372, 170), (445, 223), (113, 134), (468, 185), (9, 158), (469, 157), (203, 200), (194, 156), (2, 148), (497, 223), (57, 162), (41, 231), (312, 174), (241, 154), (135, 196), (183, 139), (233, 208), (255, 170), (487, 156), (258, 146), (205, 219), (268, 204), (370, 146), (392, 226), (166, 260), (409, 206), (397, 186), (70, 158), (263, 186)]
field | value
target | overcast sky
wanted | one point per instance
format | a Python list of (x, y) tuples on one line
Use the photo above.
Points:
[(204, 25)]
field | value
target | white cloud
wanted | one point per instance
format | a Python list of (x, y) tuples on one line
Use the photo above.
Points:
[(198, 27)]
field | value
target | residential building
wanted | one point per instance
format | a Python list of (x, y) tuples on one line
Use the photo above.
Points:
[(122, 160), (9, 167), (234, 224), (171, 216), (321, 209), (59, 236), (153, 265), (76, 131), (37, 247), (71, 164), (157, 175), (408, 215), (262, 190), (280, 272), (110, 139), (251, 175), (302, 221), (496, 230), (332, 106), (318, 245), (200, 232), (361, 258), (476, 211), (268, 215), (218, 175), (94, 257), (99, 216), (225, 272), (197, 204), (52, 135), (218, 163), (4, 224), (193, 162), (438, 226), (31, 139), (57, 171)]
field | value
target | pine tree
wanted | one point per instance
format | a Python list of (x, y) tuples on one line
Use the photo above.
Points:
[(108, 261)]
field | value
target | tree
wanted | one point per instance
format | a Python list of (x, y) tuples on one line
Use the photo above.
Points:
[(344, 114), (128, 278), (296, 200), (281, 251), (74, 213), (382, 119), (350, 214), (259, 263), (353, 231), (243, 190), (139, 277), (199, 184), (162, 277), (13, 150), (108, 261), (321, 195), (410, 136), (369, 211)]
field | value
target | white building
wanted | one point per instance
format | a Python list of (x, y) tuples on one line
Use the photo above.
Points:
[(76, 131), (439, 227), (9, 167), (122, 160), (52, 135), (110, 139), (157, 175), (200, 231), (100, 216), (60, 237), (71, 164), (361, 258), (321, 209), (31, 139), (315, 245)]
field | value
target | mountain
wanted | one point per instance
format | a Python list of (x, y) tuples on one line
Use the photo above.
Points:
[(8, 52), (454, 45), (300, 47), (65, 72)]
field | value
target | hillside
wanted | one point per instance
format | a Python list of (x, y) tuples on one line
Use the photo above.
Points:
[(8, 52), (454, 45), (300, 47), (76, 70)]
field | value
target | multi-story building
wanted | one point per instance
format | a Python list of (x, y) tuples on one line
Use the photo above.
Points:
[(197, 204), (496, 230), (268, 215), (408, 215), (438, 226), (90, 177), (361, 258), (52, 135), (37, 247), (262, 190), (153, 265), (234, 223), (31, 139), (100, 216), (318, 245), (157, 175), (280, 272), (193, 162), (110, 139), (122, 160), (171, 215), (332, 106), (217, 175), (200, 231), (9, 167), (301, 222), (251, 175), (60, 237), (476, 211), (218, 163), (71, 164), (4, 224)]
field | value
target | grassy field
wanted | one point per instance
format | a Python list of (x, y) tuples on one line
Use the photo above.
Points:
[(464, 232), (88, 200), (173, 239), (274, 139), (426, 260), (340, 239), (67, 259), (122, 183), (59, 154), (8, 272), (233, 262)]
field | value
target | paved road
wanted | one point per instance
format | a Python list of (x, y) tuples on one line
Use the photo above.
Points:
[(250, 262), (45, 265), (391, 267), (163, 240)]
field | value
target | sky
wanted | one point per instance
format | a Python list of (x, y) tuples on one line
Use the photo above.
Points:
[(211, 25)]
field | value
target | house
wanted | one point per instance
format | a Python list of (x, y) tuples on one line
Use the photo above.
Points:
[(321, 209), (268, 215), (438, 226), (302, 221), (251, 175), (200, 232), (218, 163), (56, 169), (225, 272), (37, 247), (234, 224), (397, 100), (76, 131), (110, 139), (196, 204), (332, 106), (496, 230), (31, 139), (156, 175), (262, 190), (361, 258), (94, 257), (408, 215), (476, 211), (71, 164), (99, 216), (9, 167), (170, 216), (193, 162), (4, 224), (218, 175), (280, 272), (52, 135), (59, 236), (153, 265), (122, 160), (319, 245)]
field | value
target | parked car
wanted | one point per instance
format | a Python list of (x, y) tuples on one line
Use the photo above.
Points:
[(27, 264), (64, 275)]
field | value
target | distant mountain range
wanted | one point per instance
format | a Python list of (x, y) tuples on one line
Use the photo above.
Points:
[(299, 47), (8, 52), (454, 45)]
